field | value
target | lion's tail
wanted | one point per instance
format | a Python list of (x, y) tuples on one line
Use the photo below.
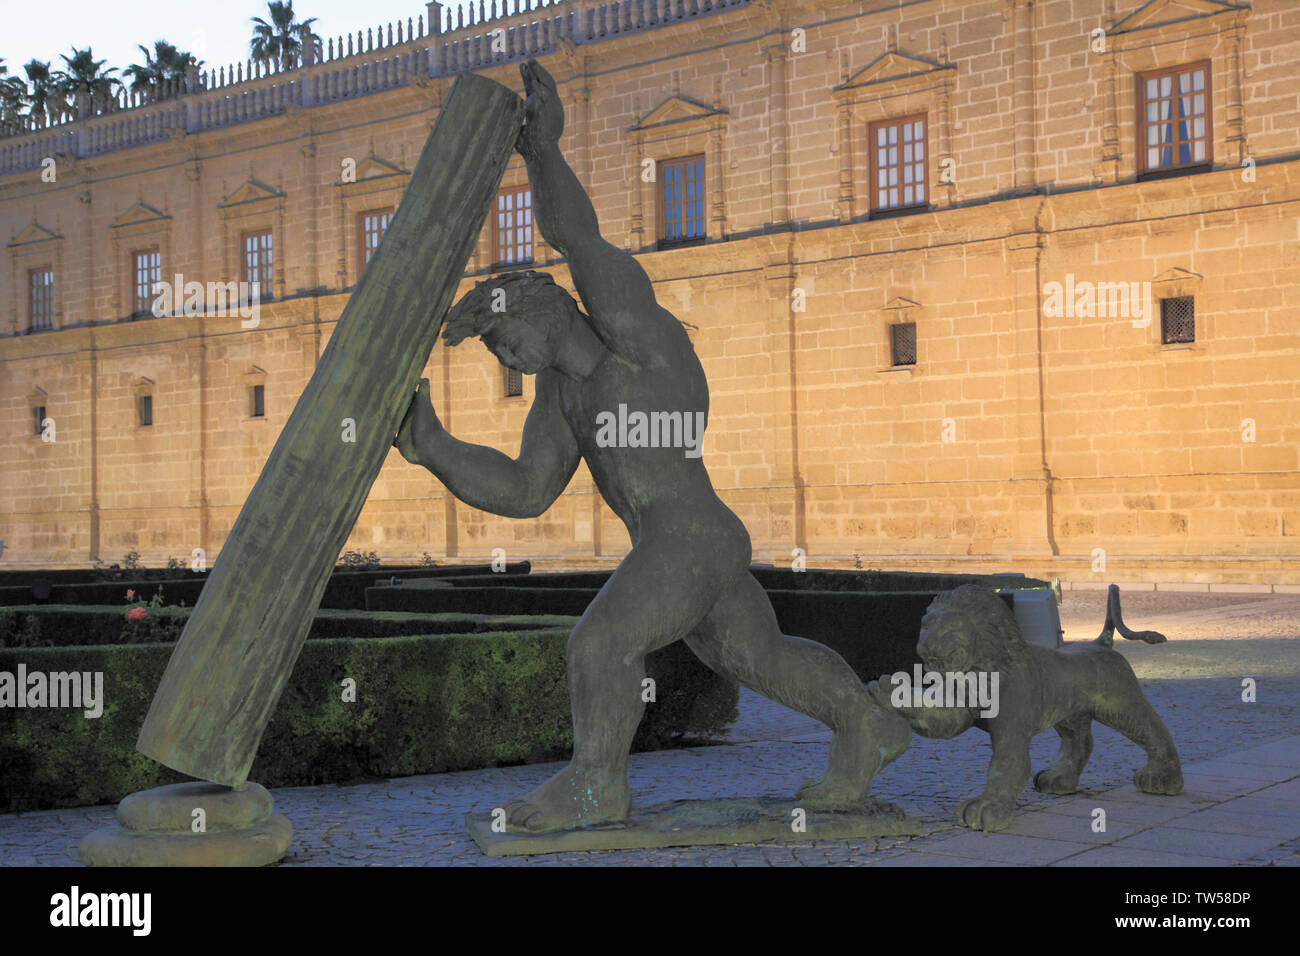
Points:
[(1115, 622)]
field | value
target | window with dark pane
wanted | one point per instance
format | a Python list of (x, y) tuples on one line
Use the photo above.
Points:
[(147, 272), (1174, 118), (681, 199), (257, 401), (512, 231), (373, 224), (898, 179), (38, 416), (144, 406), (902, 343), (514, 382), (41, 299), (1177, 320)]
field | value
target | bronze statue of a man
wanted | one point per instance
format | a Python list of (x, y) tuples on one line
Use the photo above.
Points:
[(687, 574)]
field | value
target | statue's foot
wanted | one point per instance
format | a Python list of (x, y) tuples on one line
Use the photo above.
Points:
[(572, 798), (1159, 777), (857, 755), (1057, 779)]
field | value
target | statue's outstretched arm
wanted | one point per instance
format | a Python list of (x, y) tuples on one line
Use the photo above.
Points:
[(615, 290), (484, 478)]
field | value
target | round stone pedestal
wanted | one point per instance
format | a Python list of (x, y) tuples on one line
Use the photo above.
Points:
[(161, 827)]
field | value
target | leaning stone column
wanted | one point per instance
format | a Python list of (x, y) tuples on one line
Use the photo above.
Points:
[(241, 642)]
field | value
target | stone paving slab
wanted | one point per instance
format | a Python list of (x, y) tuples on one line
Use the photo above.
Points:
[(1113, 856), (684, 823)]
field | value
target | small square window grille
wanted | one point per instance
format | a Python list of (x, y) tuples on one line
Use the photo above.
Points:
[(257, 403), (1177, 320), (514, 383), (902, 343), (145, 406)]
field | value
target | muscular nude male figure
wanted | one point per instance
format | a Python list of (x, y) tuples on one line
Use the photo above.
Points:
[(687, 574)]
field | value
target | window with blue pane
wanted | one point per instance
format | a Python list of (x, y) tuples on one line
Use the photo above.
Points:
[(681, 199)]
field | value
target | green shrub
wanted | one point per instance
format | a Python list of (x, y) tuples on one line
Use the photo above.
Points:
[(425, 704)]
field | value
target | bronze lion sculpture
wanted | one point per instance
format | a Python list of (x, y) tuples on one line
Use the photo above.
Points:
[(971, 630)]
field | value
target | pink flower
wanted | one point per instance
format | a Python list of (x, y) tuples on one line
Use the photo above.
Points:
[(135, 614), (130, 595)]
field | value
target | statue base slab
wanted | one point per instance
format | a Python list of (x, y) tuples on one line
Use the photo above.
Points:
[(701, 823), (156, 828)]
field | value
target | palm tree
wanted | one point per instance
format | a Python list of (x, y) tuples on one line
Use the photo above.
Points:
[(13, 96), (85, 74), (165, 63), (45, 97), (283, 37)]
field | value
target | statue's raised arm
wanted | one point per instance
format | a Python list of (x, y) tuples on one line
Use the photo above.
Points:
[(619, 299)]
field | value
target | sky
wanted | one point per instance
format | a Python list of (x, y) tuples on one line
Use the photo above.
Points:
[(215, 32)]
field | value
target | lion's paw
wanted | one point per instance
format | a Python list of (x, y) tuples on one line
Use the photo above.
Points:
[(984, 814), (1056, 780), (1161, 778)]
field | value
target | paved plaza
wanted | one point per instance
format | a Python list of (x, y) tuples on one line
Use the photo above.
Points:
[(1240, 804)]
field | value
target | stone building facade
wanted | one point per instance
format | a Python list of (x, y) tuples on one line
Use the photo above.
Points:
[(978, 284)]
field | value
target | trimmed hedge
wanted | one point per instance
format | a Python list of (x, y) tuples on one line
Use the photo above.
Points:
[(775, 579), (875, 632), (54, 625), (346, 589), (787, 579), (477, 600), (425, 704)]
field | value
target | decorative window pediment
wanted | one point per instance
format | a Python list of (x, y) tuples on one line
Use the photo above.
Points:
[(903, 69), (1176, 282), (251, 192), (678, 109), (372, 167), (140, 214), (32, 235), (899, 309), (1171, 13)]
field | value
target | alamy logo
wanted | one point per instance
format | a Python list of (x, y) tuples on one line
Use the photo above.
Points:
[(958, 689), (651, 430), (58, 689), (1093, 300), (218, 299), (102, 909)]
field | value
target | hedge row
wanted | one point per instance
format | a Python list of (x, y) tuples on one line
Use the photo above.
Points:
[(875, 632), (782, 579), (481, 600), (813, 579), (424, 704), (346, 589), (54, 625)]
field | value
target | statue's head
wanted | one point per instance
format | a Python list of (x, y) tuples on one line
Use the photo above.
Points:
[(522, 317), (969, 628)]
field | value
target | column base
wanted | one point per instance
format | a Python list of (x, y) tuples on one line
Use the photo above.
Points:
[(156, 828)]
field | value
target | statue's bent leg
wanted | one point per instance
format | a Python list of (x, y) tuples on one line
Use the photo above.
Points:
[(653, 599), (740, 639), (1062, 776), (1137, 720)]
